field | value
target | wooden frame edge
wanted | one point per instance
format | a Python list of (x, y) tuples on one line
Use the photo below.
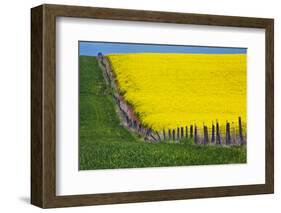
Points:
[(269, 105), (43, 119), (36, 106)]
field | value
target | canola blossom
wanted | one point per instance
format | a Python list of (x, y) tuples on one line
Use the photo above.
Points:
[(169, 90)]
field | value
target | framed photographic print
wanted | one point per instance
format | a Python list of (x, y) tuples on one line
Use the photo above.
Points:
[(136, 106)]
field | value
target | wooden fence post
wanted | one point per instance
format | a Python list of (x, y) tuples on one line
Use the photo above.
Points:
[(206, 138), (195, 135), (227, 134), (240, 131), (233, 136), (204, 134), (186, 132), (127, 119), (169, 134), (139, 129), (213, 133), (191, 131), (181, 132), (218, 137), (173, 134)]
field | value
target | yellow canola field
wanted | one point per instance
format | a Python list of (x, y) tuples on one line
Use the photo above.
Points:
[(172, 90)]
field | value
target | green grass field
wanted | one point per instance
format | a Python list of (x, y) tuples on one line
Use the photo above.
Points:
[(105, 144)]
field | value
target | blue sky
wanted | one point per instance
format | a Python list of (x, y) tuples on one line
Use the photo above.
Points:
[(93, 48)]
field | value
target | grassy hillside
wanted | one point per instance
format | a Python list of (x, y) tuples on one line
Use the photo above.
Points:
[(105, 144)]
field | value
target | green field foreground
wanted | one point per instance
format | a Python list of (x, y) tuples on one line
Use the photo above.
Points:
[(105, 144)]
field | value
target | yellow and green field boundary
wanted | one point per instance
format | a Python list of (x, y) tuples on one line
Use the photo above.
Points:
[(104, 143), (138, 113)]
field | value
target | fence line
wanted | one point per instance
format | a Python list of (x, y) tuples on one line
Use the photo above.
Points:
[(216, 134)]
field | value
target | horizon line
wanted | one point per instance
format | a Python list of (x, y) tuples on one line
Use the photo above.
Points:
[(87, 48)]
